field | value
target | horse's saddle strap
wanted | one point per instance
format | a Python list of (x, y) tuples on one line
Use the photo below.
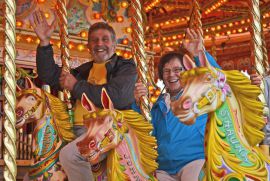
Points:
[(208, 98)]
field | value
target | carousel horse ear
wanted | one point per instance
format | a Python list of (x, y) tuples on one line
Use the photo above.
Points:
[(87, 104), (204, 60), (18, 89), (106, 100), (28, 83), (188, 62)]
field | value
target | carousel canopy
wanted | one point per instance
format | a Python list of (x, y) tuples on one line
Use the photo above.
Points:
[(226, 27)]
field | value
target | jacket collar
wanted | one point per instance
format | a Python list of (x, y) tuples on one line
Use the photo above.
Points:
[(111, 61)]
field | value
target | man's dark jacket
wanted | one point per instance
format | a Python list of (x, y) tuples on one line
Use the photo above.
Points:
[(121, 78)]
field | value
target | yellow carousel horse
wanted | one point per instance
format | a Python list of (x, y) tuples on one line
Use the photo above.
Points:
[(235, 121), (52, 130), (123, 136)]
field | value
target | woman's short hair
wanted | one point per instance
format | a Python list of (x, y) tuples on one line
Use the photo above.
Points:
[(167, 58)]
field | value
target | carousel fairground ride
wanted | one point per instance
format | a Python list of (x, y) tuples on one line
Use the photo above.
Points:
[(235, 32)]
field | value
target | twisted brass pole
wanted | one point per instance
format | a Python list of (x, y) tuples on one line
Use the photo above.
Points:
[(10, 168), (256, 41), (139, 53), (65, 56), (63, 32), (195, 18), (265, 56), (257, 53)]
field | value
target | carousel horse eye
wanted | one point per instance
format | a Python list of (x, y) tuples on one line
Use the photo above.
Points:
[(31, 98), (209, 78), (92, 144)]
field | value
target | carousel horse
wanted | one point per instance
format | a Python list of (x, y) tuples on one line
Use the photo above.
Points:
[(123, 136), (52, 130), (235, 121)]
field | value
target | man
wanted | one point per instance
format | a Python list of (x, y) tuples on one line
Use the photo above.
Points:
[(114, 73)]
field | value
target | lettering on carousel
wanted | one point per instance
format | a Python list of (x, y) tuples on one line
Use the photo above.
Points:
[(131, 167), (224, 114)]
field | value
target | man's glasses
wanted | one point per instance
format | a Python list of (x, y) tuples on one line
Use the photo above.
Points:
[(175, 70)]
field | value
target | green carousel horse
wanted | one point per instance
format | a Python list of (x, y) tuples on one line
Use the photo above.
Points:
[(123, 136), (235, 121), (52, 130)]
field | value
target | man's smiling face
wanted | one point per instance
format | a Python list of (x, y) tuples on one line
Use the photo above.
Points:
[(101, 45)]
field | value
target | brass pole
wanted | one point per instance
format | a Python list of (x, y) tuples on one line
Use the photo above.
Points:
[(195, 18), (10, 168), (139, 53), (257, 52), (65, 56)]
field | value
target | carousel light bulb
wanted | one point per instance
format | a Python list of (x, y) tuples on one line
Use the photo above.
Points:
[(118, 52), (37, 41), (125, 41), (157, 92), (119, 19), (153, 99), (83, 34), (29, 39), (47, 15), (58, 44), (124, 4), (80, 47), (97, 15), (128, 30), (19, 23), (18, 37), (126, 55), (70, 46), (41, 1)]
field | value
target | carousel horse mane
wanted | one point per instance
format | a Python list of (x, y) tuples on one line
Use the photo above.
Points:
[(146, 144), (246, 95), (62, 122)]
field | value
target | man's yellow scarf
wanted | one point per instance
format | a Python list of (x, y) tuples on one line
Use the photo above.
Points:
[(97, 76)]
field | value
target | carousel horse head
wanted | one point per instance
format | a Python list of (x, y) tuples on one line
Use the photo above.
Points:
[(235, 121), (51, 132), (123, 136), (30, 103), (205, 89), (103, 128)]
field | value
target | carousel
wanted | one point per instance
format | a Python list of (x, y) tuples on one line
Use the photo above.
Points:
[(235, 32)]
